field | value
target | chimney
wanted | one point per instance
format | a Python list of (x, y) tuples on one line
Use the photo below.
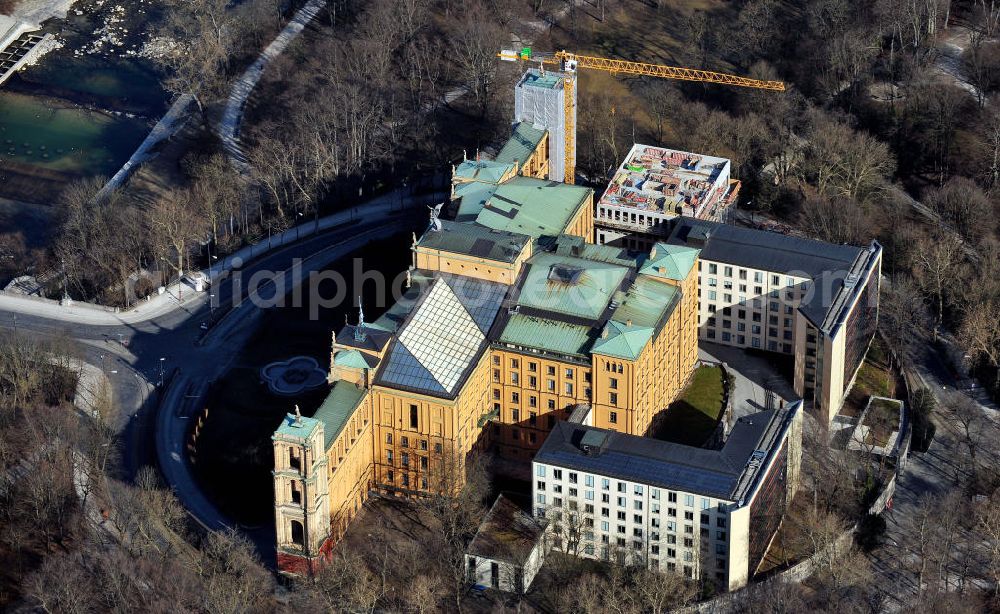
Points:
[(652, 253), (604, 334), (628, 322), (298, 416)]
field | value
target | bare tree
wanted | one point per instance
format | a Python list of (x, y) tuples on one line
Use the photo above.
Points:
[(205, 31), (233, 577), (938, 258), (979, 334), (456, 489), (964, 204), (175, 224), (971, 426), (474, 48), (842, 161)]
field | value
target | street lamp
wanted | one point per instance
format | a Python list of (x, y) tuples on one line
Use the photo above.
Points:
[(211, 303), (161, 371), (208, 251)]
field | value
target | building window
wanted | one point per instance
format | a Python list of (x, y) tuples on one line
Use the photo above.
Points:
[(551, 404), (613, 399), (413, 416), (388, 438), (614, 417), (540, 471), (613, 383), (513, 363)]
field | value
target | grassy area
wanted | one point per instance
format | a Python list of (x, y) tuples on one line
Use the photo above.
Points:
[(873, 379), (691, 419)]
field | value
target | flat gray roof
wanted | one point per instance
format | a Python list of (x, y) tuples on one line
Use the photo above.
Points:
[(715, 473), (828, 265)]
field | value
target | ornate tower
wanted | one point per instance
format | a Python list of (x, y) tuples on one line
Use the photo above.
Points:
[(301, 501)]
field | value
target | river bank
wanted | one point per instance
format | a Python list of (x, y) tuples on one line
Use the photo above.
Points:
[(86, 106)]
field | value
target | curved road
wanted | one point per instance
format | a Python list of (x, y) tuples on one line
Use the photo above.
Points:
[(132, 355)]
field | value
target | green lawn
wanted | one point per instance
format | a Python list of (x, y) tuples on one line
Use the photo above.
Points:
[(691, 419)]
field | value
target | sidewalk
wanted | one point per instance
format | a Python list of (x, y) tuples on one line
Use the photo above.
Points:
[(175, 298)]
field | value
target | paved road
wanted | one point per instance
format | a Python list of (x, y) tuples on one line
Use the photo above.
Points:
[(132, 356), (927, 476)]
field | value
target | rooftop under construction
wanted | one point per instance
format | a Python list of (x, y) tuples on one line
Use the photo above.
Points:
[(669, 182)]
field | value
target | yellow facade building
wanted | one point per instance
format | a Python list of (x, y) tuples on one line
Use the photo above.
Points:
[(512, 319)]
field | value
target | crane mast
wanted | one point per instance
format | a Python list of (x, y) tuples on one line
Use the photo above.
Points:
[(570, 62)]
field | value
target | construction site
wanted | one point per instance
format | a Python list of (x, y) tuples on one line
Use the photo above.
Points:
[(655, 185)]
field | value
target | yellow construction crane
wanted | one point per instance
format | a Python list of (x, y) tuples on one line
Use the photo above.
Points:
[(570, 62)]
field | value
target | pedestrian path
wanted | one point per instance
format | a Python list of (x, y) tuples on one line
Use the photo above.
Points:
[(178, 296), (232, 117)]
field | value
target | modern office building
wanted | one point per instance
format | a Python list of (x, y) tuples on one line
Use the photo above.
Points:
[(812, 300), (653, 187), (706, 514)]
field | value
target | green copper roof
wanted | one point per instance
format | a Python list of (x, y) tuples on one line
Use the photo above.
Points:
[(546, 335), (337, 409), (670, 261), (521, 143), (534, 207), (569, 285), (646, 302), (487, 171), (475, 240), (296, 428), (472, 197), (645, 306), (350, 358), (623, 341)]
